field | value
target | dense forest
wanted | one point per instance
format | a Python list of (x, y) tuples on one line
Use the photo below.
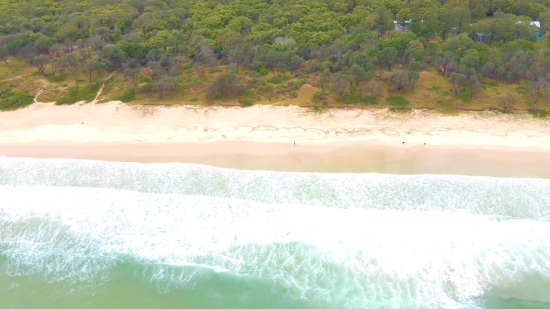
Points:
[(476, 54)]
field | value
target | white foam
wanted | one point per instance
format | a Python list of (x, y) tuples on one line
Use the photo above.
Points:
[(520, 198), (407, 256)]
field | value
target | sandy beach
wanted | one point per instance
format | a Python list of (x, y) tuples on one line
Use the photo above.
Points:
[(263, 137)]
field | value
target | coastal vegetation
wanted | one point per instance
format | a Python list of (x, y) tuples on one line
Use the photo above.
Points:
[(443, 55)]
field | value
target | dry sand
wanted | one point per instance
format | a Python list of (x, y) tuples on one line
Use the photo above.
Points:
[(262, 137), (119, 123)]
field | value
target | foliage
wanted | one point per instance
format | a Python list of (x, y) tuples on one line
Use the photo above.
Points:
[(10, 100), (75, 94), (222, 85), (343, 47), (398, 101), (127, 96), (539, 113), (246, 102)]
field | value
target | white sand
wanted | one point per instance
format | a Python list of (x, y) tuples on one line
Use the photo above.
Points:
[(116, 122)]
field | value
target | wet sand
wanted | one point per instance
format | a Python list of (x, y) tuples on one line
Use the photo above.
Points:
[(333, 157)]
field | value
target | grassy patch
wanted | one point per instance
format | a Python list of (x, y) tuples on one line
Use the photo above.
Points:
[(79, 93), (145, 79), (465, 96), (400, 110), (265, 88), (246, 102), (278, 79), (11, 100), (317, 110), (446, 107), (369, 99), (194, 99), (352, 98), (196, 81), (127, 96), (398, 101), (109, 85), (539, 113), (56, 78), (356, 97), (298, 83), (492, 84), (245, 93)]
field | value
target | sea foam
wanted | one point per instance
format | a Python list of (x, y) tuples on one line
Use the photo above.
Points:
[(337, 257), (513, 197)]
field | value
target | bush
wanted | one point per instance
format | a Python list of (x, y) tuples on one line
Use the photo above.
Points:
[(146, 79), (317, 110), (246, 102), (55, 79), (194, 99), (262, 70), (127, 96), (79, 93), (352, 98), (369, 99), (398, 101), (317, 97), (278, 79), (11, 100), (298, 83), (539, 113), (465, 96), (222, 85)]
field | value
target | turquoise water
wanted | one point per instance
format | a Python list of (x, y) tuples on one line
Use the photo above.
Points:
[(91, 234)]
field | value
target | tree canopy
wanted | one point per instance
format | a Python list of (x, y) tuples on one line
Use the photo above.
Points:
[(343, 43)]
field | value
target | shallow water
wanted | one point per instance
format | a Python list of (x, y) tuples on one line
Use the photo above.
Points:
[(91, 234)]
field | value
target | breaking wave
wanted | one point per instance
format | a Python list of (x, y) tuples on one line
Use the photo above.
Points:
[(323, 240)]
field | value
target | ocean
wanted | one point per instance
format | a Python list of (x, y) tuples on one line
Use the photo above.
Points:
[(93, 234)]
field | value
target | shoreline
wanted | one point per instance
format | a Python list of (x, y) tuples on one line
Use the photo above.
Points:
[(333, 157), (262, 137)]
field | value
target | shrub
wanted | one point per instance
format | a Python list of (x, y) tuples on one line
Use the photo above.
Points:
[(146, 79), (317, 97), (246, 102), (11, 100), (317, 110), (278, 79), (55, 79), (262, 70), (79, 93), (465, 96), (194, 99), (352, 98), (298, 83), (539, 113), (127, 96), (369, 99), (222, 85), (397, 101)]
